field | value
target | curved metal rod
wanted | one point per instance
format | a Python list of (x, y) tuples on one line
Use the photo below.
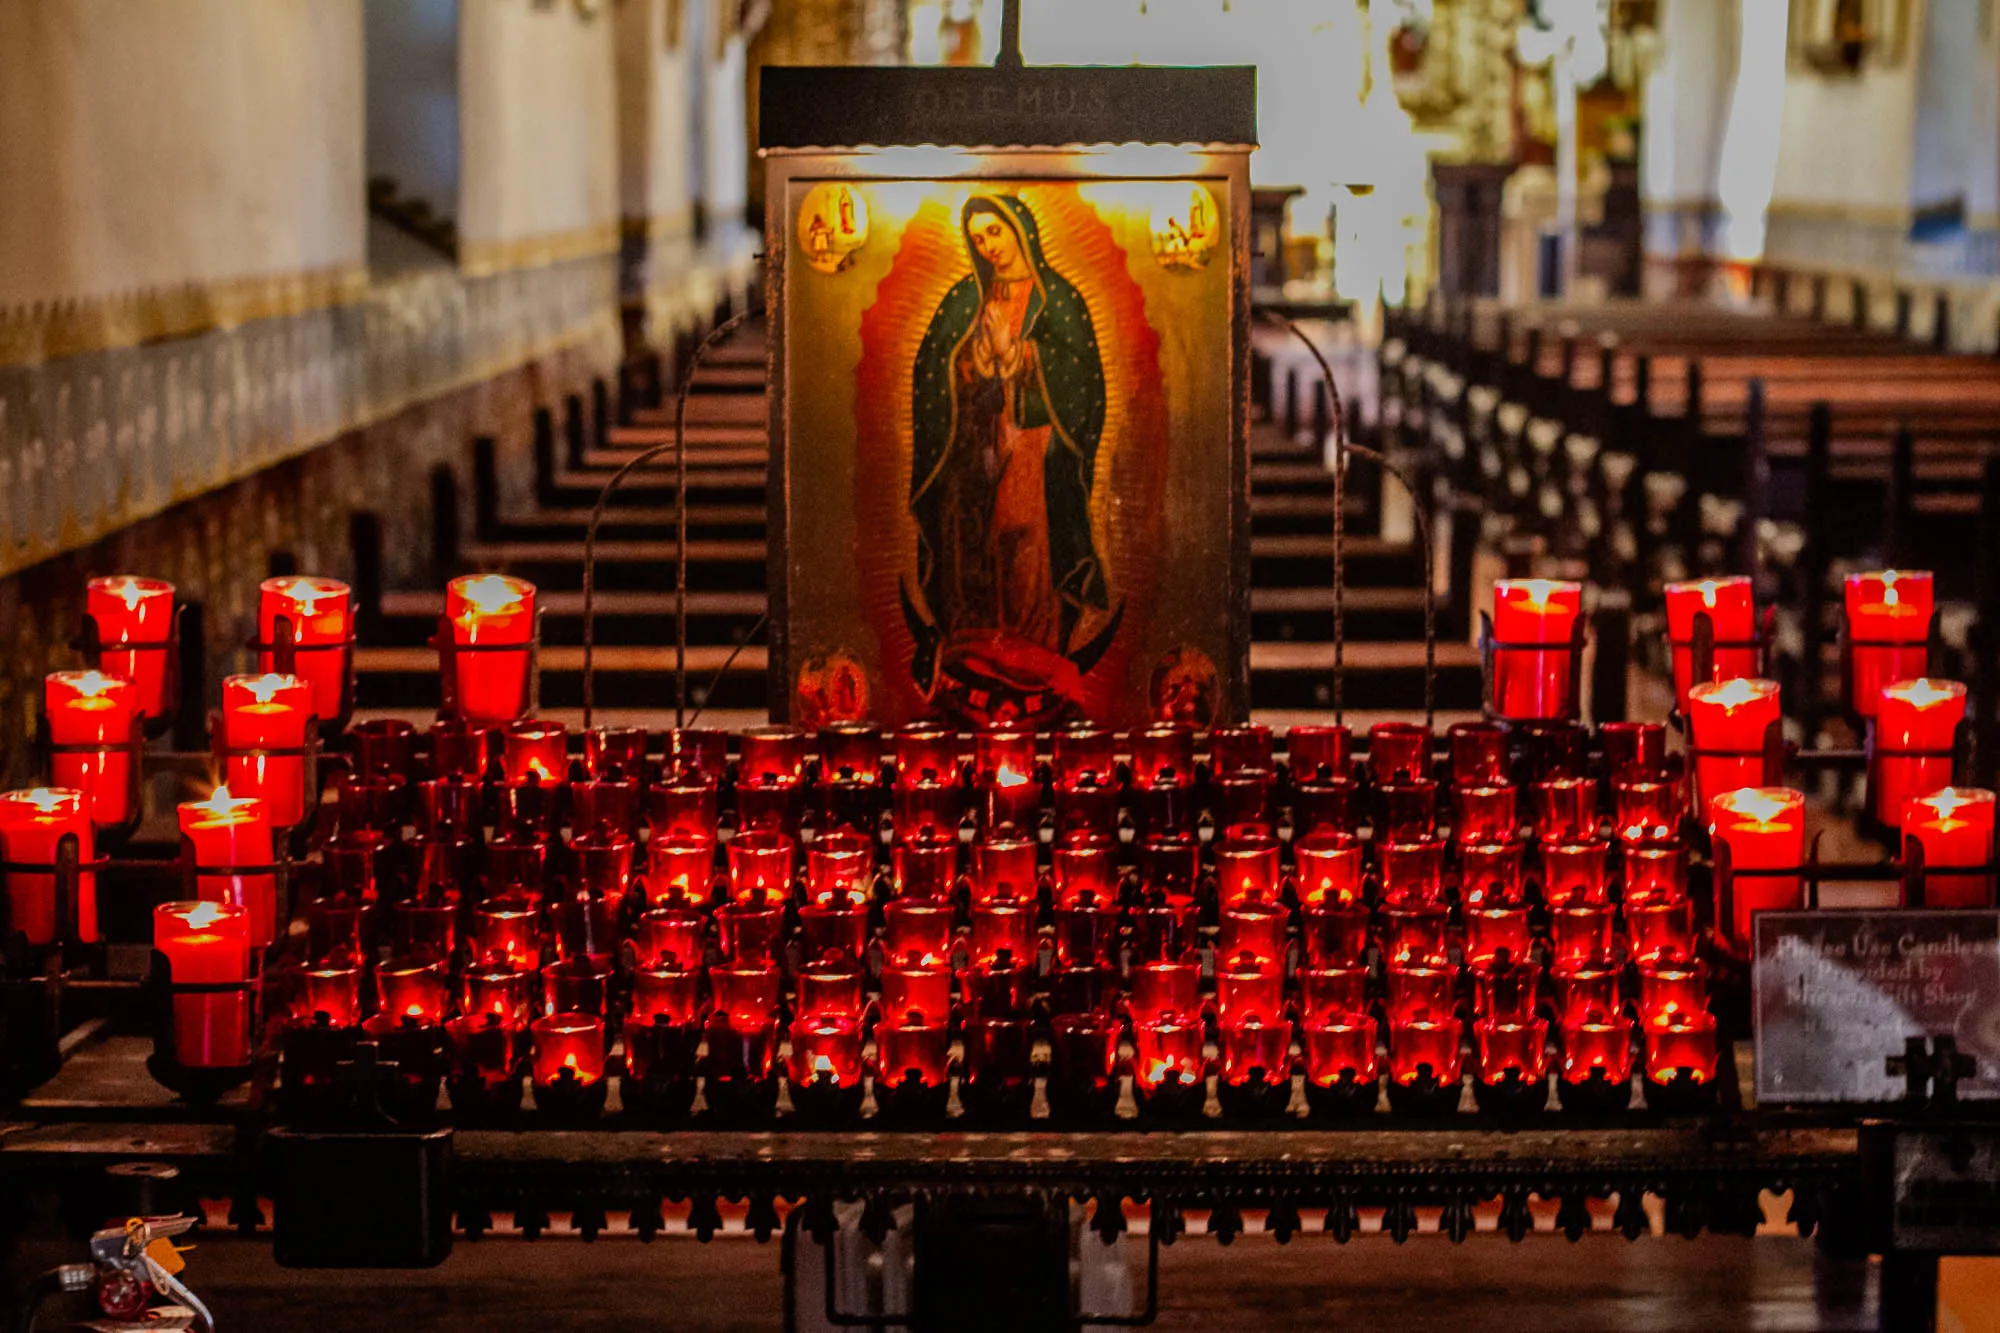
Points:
[(715, 336), (1419, 506)]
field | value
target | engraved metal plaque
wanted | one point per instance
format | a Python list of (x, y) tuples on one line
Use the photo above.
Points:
[(1834, 995)]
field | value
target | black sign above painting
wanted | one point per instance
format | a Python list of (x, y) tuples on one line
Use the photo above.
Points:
[(1835, 996)]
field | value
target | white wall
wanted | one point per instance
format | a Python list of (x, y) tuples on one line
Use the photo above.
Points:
[(1686, 101), (176, 143), (412, 64), (1845, 142), (655, 116), (538, 121)]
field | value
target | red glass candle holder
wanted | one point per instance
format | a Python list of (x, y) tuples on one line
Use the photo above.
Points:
[(567, 1046), (576, 985), (1165, 990), (383, 749), (1479, 755), (1326, 805), (526, 811), (1004, 751), (1484, 815), (1683, 1046), (1412, 873), (506, 932), (680, 870), (1086, 934), (134, 620), (1252, 933), (682, 806), (1580, 933), (1086, 807), (616, 754), (1948, 835), (1328, 869), (1162, 752), (1489, 875), (1660, 929), (1003, 869), (851, 752), (750, 934), (1646, 813), (742, 1066), (999, 1073), (1406, 812), (1244, 807), (1169, 1074), (1732, 631), (1164, 808), (1533, 638), (761, 863), (229, 838), (1169, 865), (1597, 1062), (486, 649), (921, 989), (840, 870), (1491, 932), (924, 867), (672, 936), (772, 754), (745, 995), (1758, 836), (94, 733), (1327, 992), (1574, 873), (916, 928), (834, 932), (769, 805), (1911, 749), (585, 926), (502, 996), (1334, 936), (533, 747), (927, 811), (327, 994), (1083, 1066), (1003, 929), (1888, 634), (425, 927), (1399, 751), (448, 809), (1340, 1051), (1513, 1054), (461, 752), (825, 1062), (1426, 1052), (412, 988), (998, 988), (320, 623), (1417, 935), (830, 989), (1420, 991), (1317, 752), (207, 950), (1163, 926), (926, 752), (1670, 988), (1246, 745), (1256, 1056), (1579, 990), (1084, 753), (369, 810), (911, 1069), (1246, 871), (1654, 873), (1634, 751), (1565, 810), (1086, 870), (339, 928), (1247, 991), (264, 725), (1728, 725), (1507, 990), (604, 810), (687, 751), (1012, 802)]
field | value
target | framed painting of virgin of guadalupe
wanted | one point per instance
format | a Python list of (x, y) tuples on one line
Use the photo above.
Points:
[(1008, 438)]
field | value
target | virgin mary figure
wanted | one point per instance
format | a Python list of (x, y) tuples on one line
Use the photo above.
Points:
[(1009, 405)]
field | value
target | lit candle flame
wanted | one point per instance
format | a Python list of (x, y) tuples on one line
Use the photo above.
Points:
[(205, 914), (1924, 693), (1760, 806), (50, 800), (265, 688), (305, 593), (1007, 777), (489, 594), (222, 805), (1708, 587), (822, 1066), (1734, 694), (92, 684), (129, 591)]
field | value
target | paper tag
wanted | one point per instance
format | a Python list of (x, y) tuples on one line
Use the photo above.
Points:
[(163, 1253)]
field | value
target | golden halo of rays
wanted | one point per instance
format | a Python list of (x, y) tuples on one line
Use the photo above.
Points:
[(1129, 480)]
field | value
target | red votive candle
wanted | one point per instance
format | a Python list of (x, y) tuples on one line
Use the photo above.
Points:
[(1732, 621), (1086, 934), (1162, 752), (680, 869), (682, 806), (1252, 933), (333, 991), (1954, 829), (771, 756), (851, 752), (227, 831), (1490, 875), (506, 933), (1671, 987), (1573, 874), (926, 751), (1243, 803), (615, 754), (916, 988), (1165, 990), (909, 1049), (830, 933), (426, 927), (840, 869), (692, 751), (1166, 1053), (927, 809), (831, 989), (1003, 868), (501, 996), (1634, 751), (1646, 812), (1727, 721), (1660, 929), (1580, 990), (1508, 991), (1406, 811), (91, 720), (1412, 873), (1506, 1045), (1327, 992), (1888, 633), (322, 635), (1086, 806), (1421, 1045), (1916, 722), (32, 826), (1580, 933), (1247, 990), (1319, 751), (1598, 1041), (1086, 864), (1484, 814), (1338, 1045), (411, 989), (1479, 755), (1083, 752), (460, 751), (1565, 810), (135, 626), (1399, 751), (572, 1042), (1490, 931), (1328, 866), (750, 935), (1682, 1042), (1004, 928), (1244, 746), (826, 1052), (1328, 805), (535, 749), (493, 618), (604, 809), (916, 929), (1246, 871), (748, 995), (671, 935), (760, 867), (267, 713), (1535, 618), (207, 944), (1763, 829), (1419, 935), (1655, 874), (576, 985), (1421, 991), (1256, 1049)]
